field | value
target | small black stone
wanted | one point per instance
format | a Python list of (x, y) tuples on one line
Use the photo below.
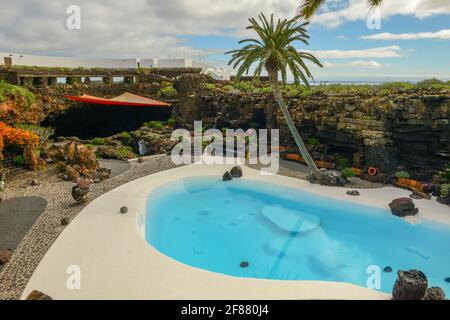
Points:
[(227, 176), (123, 209), (447, 279), (64, 221), (244, 264), (387, 269)]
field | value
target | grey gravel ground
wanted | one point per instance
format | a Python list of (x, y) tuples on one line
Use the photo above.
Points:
[(16, 273), (17, 216)]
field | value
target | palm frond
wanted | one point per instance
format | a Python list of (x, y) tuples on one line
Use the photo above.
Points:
[(308, 8), (275, 49), (375, 3)]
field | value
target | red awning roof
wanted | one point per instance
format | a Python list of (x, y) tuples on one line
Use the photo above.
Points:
[(126, 99)]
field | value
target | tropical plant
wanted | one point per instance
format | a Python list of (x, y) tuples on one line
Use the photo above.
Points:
[(19, 160), (98, 141), (402, 174), (155, 124), (347, 173), (169, 91), (273, 50), (308, 8), (44, 133), (445, 190), (171, 122)]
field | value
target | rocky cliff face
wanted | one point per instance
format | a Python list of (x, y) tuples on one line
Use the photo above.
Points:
[(403, 129)]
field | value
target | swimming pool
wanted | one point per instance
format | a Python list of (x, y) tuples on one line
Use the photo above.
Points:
[(256, 229)]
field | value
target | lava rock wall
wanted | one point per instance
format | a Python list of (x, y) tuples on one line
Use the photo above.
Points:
[(408, 129)]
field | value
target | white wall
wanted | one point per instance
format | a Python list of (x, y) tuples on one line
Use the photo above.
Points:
[(50, 61)]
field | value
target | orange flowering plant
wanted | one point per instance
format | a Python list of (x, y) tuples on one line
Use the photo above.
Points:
[(10, 136)]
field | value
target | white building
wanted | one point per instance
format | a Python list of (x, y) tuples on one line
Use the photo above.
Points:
[(51, 61)]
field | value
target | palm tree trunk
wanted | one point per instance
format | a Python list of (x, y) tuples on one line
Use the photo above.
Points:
[(273, 77)]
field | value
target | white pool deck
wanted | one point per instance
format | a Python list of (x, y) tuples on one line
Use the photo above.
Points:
[(117, 263)]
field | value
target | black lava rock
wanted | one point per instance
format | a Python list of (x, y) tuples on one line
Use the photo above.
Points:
[(434, 293), (410, 285), (244, 264), (227, 176), (443, 200), (236, 172), (123, 209), (447, 279), (353, 192), (403, 207), (387, 269), (64, 221)]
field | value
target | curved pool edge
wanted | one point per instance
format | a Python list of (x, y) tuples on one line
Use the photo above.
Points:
[(117, 263)]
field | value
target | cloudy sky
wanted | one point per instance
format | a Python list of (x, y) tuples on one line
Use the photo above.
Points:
[(412, 41)]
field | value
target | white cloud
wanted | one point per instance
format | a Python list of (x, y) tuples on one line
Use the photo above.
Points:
[(358, 10), (440, 35), (371, 64), (379, 53), (132, 28)]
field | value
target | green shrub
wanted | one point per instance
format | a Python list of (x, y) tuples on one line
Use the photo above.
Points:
[(127, 136), (266, 90), (342, 162), (294, 90), (168, 92), (384, 92), (445, 190), (155, 124), (44, 133), (228, 87), (347, 173), (402, 174), (429, 83), (171, 122), (9, 90), (125, 152), (209, 86), (98, 141), (19, 160), (244, 85), (306, 93), (313, 141), (397, 85), (445, 173)]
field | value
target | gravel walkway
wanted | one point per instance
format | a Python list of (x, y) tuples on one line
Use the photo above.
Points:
[(16, 273)]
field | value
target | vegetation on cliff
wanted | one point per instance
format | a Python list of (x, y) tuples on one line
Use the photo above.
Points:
[(11, 91), (16, 138)]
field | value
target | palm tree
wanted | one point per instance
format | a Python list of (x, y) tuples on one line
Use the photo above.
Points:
[(308, 8), (274, 51)]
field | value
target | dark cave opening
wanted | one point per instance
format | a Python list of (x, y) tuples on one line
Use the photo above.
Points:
[(91, 120)]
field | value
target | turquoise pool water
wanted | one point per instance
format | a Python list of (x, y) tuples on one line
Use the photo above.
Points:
[(251, 229)]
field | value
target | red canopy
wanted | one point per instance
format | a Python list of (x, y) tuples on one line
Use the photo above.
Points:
[(126, 99)]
